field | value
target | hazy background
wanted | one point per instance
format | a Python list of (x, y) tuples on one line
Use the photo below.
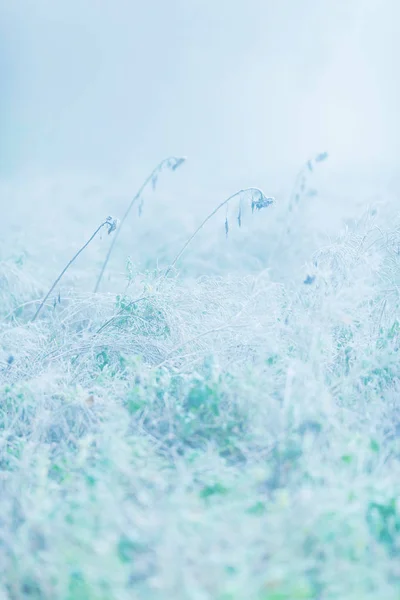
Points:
[(245, 89)]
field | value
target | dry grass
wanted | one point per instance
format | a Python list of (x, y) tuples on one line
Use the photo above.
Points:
[(231, 436)]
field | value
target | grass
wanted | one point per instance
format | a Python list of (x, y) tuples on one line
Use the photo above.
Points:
[(172, 163), (232, 436)]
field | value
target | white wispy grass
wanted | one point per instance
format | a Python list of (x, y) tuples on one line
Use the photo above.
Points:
[(228, 436)]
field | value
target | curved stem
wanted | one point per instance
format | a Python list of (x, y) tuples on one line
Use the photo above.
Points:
[(177, 257), (128, 210), (292, 202), (296, 186), (66, 268)]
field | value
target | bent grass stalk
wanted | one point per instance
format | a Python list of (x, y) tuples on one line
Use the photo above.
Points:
[(301, 180), (171, 163), (299, 191), (111, 224), (258, 201)]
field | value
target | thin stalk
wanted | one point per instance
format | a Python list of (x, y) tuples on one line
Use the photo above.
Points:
[(172, 160), (111, 226), (177, 257)]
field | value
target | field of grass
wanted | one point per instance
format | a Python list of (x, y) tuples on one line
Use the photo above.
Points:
[(230, 431)]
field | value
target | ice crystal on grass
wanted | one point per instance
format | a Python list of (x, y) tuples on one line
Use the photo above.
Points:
[(261, 202), (112, 224), (150, 437)]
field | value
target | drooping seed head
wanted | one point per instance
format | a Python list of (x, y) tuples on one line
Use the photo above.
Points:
[(175, 162), (321, 157), (111, 224), (261, 201)]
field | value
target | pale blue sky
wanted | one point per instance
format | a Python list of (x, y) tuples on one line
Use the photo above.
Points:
[(243, 88)]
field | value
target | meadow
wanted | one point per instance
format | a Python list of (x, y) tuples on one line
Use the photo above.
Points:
[(220, 423)]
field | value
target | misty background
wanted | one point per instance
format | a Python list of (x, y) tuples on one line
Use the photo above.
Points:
[(94, 94), (242, 88)]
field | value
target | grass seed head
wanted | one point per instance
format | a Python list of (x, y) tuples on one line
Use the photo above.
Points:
[(321, 157), (112, 224), (260, 201), (175, 162)]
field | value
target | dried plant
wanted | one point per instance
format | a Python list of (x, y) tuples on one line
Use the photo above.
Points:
[(300, 190), (300, 187), (199, 417), (111, 225), (172, 163), (258, 200)]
